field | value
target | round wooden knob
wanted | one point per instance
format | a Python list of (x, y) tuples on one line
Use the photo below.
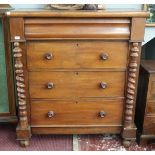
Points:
[(50, 114), (50, 85), (102, 114), (103, 85), (104, 56), (49, 56)]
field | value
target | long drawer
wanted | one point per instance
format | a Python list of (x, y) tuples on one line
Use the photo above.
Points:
[(76, 54), (70, 113), (74, 84)]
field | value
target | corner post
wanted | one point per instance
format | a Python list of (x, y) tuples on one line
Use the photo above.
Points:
[(137, 34), (17, 38)]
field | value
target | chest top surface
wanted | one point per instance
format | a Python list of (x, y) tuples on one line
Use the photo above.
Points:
[(76, 13)]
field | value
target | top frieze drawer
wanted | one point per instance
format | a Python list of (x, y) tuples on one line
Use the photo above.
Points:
[(74, 28)]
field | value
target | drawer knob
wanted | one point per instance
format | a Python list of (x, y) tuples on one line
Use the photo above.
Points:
[(50, 85), (103, 85), (104, 56), (50, 114), (49, 56), (102, 114)]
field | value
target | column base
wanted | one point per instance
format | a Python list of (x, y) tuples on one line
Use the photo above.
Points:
[(128, 135), (23, 135)]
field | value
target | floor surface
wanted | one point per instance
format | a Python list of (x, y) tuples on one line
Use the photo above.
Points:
[(8, 141), (104, 142)]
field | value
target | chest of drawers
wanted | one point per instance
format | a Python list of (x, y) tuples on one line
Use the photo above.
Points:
[(76, 71), (145, 109)]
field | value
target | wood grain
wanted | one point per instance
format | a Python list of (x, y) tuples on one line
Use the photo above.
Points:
[(17, 31), (76, 130), (20, 86), (149, 125), (80, 13), (134, 57), (149, 66), (151, 88), (76, 54), (151, 108), (145, 108), (136, 31), (76, 112), (76, 84), (77, 28), (91, 55)]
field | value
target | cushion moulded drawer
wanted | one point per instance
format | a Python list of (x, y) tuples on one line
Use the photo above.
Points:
[(48, 28)]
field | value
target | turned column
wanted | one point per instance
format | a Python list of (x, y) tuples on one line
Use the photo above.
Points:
[(22, 130), (137, 35), (131, 85), (18, 40), (20, 86)]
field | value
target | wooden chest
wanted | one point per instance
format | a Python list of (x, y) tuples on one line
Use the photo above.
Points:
[(76, 71), (145, 109)]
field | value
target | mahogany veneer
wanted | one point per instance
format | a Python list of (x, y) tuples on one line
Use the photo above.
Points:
[(76, 71)]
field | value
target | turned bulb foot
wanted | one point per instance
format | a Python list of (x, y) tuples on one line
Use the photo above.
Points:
[(24, 143)]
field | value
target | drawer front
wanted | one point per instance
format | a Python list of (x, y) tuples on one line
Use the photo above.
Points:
[(108, 28), (60, 113), (72, 84), (76, 54), (151, 108), (149, 125)]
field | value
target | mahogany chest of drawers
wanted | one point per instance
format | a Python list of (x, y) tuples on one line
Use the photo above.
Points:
[(145, 108), (76, 71)]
